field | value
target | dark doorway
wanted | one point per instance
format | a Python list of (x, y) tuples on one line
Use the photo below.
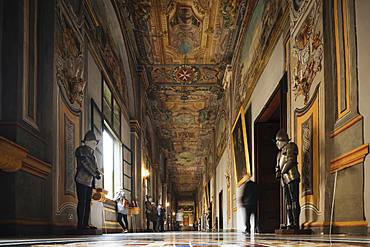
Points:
[(220, 212), (272, 118)]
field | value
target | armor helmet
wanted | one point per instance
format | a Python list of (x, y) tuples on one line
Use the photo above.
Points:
[(90, 136), (281, 135)]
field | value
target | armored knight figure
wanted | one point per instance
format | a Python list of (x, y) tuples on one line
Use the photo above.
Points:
[(87, 172), (287, 171)]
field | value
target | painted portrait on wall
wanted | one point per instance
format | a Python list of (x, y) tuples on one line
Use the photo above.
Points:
[(240, 150)]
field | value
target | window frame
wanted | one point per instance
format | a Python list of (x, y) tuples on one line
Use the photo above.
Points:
[(113, 102), (116, 141)]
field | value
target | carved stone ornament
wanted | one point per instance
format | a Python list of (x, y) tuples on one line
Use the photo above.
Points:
[(70, 64), (114, 66), (186, 74), (297, 8), (228, 178), (308, 48), (228, 13), (140, 8)]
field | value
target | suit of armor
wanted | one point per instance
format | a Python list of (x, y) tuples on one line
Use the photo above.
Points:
[(87, 172), (87, 168), (287, 171)]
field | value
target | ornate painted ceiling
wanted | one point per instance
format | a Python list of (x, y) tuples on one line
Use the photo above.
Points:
[(185, 46)]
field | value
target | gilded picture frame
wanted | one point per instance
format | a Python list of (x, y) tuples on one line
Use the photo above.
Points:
[(242, 166)]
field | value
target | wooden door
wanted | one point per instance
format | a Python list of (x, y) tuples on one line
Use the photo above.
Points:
[(220, 212), (268, 208)]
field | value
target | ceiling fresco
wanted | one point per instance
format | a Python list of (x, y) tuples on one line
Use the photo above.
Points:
[(185, 46)]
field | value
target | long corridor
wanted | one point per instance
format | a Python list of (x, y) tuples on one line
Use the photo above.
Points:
[(123, 118), (192, 239)]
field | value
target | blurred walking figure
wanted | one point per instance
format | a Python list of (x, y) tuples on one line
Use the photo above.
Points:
[(249, 202), (161, 212)]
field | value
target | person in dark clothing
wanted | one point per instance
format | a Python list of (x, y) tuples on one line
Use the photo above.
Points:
[(161, 213), (148, 212), (249, 202), (87, 172), (209, 219), (154, 217)]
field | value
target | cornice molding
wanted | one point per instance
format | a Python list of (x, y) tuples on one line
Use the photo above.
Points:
[(348, 125), (135, 126), (11, 155), (357, 223), (14, 157), (353, 157)]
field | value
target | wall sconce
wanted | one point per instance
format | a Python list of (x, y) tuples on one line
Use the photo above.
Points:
[(146, 173), (167, 204)]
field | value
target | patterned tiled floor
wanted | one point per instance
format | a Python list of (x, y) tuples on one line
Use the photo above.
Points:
[(191, 239)]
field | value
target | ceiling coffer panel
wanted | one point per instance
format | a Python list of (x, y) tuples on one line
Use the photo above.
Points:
[(185, 46)]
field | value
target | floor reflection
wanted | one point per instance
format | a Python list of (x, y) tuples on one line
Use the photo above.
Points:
[(189, 239)]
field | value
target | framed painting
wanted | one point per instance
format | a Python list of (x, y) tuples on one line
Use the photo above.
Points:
[(240, 150)]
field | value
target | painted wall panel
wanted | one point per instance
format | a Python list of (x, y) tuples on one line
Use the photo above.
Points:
[(363, 45)]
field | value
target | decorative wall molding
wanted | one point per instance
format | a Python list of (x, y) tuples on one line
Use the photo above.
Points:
[(30, 64), (24, 127), (13, 158), (308, 50), (66, 199), (307, 138), (348, 125), (351, 158), (360, 223), (11, 155), (135, 126), (297, 9), (92, 13), (69, 60), (342, 61), (36, 167)]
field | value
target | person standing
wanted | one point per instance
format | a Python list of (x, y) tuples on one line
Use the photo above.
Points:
[(87, 172), (154, 217), (161, 213), (122, 210), (209, 219), (148, 212), (249, 202)]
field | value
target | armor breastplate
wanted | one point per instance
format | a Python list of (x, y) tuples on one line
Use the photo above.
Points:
[(288, 155), (83, 176)]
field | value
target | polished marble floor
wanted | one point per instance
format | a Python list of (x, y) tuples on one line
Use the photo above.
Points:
[(191, 239)]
